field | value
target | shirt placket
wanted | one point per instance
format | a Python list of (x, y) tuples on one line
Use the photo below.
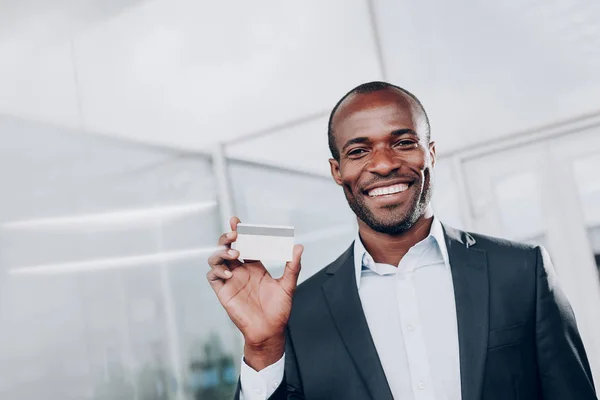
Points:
[(416, 350)]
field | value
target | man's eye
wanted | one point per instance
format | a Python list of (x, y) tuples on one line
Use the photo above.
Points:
[(356, 152), (406, 143)]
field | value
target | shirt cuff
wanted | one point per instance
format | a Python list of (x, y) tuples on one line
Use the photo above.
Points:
[(260, 385)]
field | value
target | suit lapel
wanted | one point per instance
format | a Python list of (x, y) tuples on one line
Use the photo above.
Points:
[(471, 292), (346, 310)]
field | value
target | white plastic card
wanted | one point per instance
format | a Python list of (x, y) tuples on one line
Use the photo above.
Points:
[(265, 243)]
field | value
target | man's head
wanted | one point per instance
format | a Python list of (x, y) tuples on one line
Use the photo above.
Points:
[(379, 137)]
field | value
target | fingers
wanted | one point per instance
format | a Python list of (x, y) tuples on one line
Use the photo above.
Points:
[(233, 221), (219, 272), (289, 280), (223, 257), (221, 263), (227, 238), (217, 277)]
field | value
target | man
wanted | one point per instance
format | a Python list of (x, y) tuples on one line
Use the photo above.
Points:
[(413, 309)]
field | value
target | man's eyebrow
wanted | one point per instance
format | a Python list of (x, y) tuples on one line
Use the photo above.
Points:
[(356, 140), (400, 132)]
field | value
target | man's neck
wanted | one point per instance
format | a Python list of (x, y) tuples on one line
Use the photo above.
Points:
[(390, 249)]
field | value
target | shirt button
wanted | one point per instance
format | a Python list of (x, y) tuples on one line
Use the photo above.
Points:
[(275, 384), (422, 385), (410, 327)]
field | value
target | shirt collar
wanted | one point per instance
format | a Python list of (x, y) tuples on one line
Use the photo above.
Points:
[(437, 232)]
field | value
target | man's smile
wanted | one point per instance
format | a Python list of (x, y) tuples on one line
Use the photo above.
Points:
[(388, 190), (388, 193)]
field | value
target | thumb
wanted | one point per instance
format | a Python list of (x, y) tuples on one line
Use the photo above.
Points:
[(289, 280)]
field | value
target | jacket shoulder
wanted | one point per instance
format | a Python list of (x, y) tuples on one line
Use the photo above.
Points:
[(496, 247), (492, 242)]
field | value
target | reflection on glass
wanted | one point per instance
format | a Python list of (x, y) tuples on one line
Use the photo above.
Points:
[(214, 377)]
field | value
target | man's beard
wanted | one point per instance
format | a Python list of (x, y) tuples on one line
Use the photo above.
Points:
[(397, 221)]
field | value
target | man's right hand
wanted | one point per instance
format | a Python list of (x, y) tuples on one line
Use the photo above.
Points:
[(258, 304)]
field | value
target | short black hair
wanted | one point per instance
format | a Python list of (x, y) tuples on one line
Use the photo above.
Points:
[(371, 87)]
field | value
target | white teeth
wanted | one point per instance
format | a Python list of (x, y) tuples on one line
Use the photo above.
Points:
[(381, 191)]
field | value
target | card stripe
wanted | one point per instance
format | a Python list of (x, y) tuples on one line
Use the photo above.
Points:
[(264, 231)]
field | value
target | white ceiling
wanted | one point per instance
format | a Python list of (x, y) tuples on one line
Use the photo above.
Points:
[(36, 22), (187, 74)]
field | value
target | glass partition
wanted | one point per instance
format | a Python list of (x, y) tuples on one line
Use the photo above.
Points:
[(103, 249)]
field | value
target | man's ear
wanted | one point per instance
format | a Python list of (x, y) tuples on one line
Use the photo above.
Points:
[(335, 171), (432, 153)]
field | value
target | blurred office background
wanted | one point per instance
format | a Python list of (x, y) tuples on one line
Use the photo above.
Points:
[(130, 130)]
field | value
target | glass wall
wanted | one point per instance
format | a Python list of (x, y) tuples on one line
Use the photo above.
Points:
[(103, 249)]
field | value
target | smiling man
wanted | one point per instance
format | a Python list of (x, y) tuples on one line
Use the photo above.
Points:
[(413, 309)]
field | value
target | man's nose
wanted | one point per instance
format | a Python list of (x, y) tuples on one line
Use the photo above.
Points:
[(383, 163)]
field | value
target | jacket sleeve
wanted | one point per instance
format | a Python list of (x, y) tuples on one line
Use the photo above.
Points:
[(291, 386), (563, 365)]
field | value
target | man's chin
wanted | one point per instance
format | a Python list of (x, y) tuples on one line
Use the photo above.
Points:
[(392, 213), (387, 224), (393, 218)]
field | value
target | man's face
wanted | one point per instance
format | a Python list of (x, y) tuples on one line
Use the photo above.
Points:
[(385, 160)]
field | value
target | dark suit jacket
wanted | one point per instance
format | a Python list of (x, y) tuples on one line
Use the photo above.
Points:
[(517, 333)]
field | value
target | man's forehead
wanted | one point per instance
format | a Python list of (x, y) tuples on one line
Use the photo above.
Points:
[(390, 101), (387, 103)]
